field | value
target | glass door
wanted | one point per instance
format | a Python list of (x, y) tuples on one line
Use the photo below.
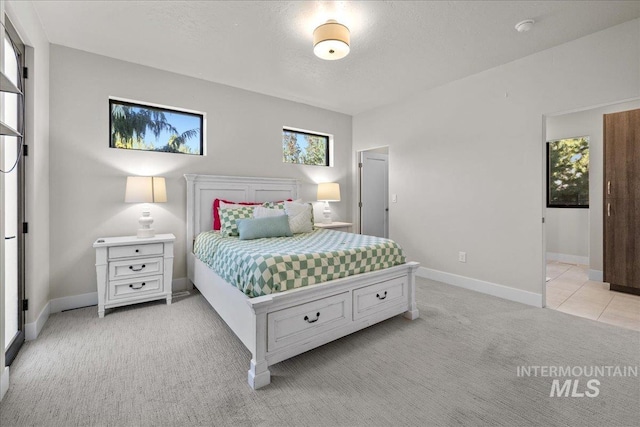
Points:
[(12, 167)]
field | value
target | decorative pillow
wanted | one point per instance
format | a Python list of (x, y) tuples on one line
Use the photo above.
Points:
[(228, 218), (257, 228), (280, 204), (228, 205), (217, 203), (262, 212), (300, 216)]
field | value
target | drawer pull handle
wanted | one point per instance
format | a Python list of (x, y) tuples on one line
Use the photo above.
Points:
[(382, 297), (137, 269), (314, 320), (137, 250), (138, 287)]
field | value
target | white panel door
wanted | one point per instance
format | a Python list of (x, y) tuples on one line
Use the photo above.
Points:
[(374, 194)]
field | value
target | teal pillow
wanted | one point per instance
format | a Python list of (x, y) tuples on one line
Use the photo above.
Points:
[(257, 228)]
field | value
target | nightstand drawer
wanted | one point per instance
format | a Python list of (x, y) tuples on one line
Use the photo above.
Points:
[(136, 250), (134, 268), (127, 288)]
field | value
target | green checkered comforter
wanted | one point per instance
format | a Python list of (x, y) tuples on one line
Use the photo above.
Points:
[(265, 266)]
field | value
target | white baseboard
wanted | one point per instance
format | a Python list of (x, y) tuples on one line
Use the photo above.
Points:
[(74, 301), (596, 275), (4, 382), (56, 305), (500, 291), (32, 330), (569, 259)]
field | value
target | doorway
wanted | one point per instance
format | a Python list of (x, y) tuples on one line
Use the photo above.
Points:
[(573, 240), (12, 168), (373, 166)]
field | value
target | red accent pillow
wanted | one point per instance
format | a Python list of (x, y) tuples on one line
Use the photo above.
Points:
[(216, 205)]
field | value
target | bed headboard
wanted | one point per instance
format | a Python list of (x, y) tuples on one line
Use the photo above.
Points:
[(203, 189)]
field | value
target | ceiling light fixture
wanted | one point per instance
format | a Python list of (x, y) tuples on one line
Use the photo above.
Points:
[(524, 26), (331, 40)]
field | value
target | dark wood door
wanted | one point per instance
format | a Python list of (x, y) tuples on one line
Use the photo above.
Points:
[(621, 154), (622, 200), (622, 243)]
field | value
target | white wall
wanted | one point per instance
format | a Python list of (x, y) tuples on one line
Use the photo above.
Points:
[(466, 158), (87, 178), (567, 232), (579, 231)]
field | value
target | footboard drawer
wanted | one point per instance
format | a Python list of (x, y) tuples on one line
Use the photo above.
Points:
[(306, 321), (376, 298)]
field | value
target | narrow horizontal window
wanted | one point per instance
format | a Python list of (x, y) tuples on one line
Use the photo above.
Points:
[(305, 148), (136, 126), (568, 173)]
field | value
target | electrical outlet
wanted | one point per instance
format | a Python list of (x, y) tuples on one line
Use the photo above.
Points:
[(462, 256)]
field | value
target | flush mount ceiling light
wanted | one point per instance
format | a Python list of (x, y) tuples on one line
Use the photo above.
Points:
[(524, 26), (331, 41)]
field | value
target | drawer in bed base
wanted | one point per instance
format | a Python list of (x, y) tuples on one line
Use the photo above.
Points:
[(372, 299), (305, 322)]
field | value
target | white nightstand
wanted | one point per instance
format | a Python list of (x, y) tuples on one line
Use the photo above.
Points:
[(340, 226), (132, 270)]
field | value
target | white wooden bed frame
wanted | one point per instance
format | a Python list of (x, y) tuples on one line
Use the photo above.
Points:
[(272, 327)]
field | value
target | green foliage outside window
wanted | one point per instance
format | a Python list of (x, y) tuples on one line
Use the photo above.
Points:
[(568, 173), (305, 148), (140, 127)]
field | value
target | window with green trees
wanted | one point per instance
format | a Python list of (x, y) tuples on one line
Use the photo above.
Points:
[(152, 128), (568, 173), (305, 148)]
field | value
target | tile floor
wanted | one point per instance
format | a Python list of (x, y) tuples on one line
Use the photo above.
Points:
[(570, 290)]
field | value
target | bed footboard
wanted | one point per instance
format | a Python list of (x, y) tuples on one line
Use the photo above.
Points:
[(279, 326)]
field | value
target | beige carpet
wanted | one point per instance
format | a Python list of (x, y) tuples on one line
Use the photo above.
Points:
[(155, 365)]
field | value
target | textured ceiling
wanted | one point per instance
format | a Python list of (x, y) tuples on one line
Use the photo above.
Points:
[(397, 48)]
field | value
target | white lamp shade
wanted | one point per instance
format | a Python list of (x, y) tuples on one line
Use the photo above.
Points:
[(331, 41), (329, 192), (159, 190), (145, 189)]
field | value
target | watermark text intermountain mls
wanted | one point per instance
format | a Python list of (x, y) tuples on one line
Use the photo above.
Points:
[(572, 387)]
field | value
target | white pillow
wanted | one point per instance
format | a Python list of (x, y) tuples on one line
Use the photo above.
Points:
[(300, 217), (262, 212)]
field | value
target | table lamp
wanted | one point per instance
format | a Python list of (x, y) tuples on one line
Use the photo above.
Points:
[(145, 189), (328, 192)]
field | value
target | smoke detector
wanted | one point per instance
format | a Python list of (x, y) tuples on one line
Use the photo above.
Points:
[(524, 26)]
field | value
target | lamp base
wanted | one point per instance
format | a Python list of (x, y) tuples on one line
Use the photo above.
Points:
[(145, 233), (145, 230), (326, 214)]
